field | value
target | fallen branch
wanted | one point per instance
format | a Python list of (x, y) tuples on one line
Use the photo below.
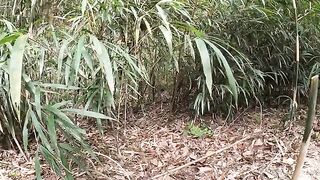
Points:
[(202, 158)]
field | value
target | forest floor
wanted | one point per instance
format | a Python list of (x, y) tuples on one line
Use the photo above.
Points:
[(158, 143)]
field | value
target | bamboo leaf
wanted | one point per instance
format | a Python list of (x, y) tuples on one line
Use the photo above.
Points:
[(58, 86), (38, 167), (168, 37), (15, 70), (88, 113), (41, 61), (104, 59), (37, 100), (231, 80), (9, 25), (9, 38), (87, 58), (77, 56), (206, 63), (65, 123), (83, 6), (25, 132), (61, 57), (52, 131), (163, 15), (39, 130)]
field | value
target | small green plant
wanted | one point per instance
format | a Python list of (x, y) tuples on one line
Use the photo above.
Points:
[(198, 131)]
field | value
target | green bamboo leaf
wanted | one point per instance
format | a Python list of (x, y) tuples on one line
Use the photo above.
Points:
[(206, 63), (63, 48), (88, 113), (148, 27), (77, 55), (37, 167), (134, 12), (65, 163), (41, 61), (137, 30), (30, 86), (15, 70), (67, 71), (55, 39), (129, 59), (189, 44), (164, 1), (37, 100), (87, 58), (104, 59), (66, 147), (59, 114), (25, 132), (52, 132), (83, 6), (9, 38), (51, 159), (168, 37), (231, 80), (39, 130), (65, 123), (90, 99), (9, 25), (163, 15), (58, 86), (61, 104)]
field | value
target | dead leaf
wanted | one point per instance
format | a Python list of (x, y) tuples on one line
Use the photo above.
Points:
[(258, 142), (288, 161), (167, 177), (193, 156), (270, 176), (204, 169), (154, 162), (185, 151), (209, 152), (247, 154)]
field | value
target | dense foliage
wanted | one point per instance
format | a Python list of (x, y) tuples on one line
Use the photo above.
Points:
[(100, 58)]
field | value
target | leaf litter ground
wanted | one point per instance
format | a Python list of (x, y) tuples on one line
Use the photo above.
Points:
[(155, 142)]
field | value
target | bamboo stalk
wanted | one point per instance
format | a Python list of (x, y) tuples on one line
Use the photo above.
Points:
[(308, 126)]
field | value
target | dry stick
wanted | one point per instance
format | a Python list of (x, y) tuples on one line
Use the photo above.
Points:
[(308, 126), (202, 158)]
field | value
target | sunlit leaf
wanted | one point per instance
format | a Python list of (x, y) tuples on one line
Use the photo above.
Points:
[(77, 56), (15, 70), (62, 56), (206, 63), (103, 56), (232, 81), (83, 6), (88, 113), (9, 38)]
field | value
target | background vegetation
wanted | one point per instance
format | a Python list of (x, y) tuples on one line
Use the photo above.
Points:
[(61, 61)]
